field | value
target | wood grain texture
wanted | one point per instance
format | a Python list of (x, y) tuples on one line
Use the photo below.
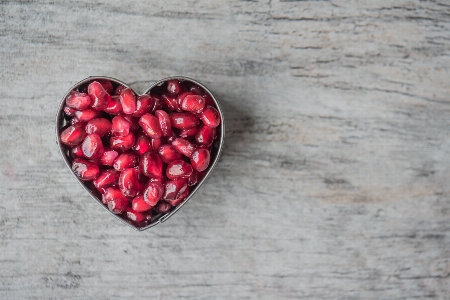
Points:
[(334, 181)]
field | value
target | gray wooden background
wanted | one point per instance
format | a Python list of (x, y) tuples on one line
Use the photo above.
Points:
[(334, 181)]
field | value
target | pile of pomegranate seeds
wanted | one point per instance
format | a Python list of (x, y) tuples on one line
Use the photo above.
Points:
[(144, 153)]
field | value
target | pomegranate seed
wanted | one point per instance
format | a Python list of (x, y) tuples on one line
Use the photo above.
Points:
[(156, 143), (183, 146), (73, 135), (164, 122), (140, 205), (92, 146), (125, 161), (153, 193), (74, 121), (193, 103), (134, 215), (174, 188), (69, 111), (112, 193), (87, 114), (144, 104), (193, 179), (210, 117), (200, 159), (128, 101), (196, 90), (180, 198), (120, 126), (151, 165), (85, 170), (122, 143), (178, 169), (205, 135), (107, 85), (209, 100), (99, 97), (101, 126), (168, 153), (129, 183), (174, 87), (184, 120), (114, 107), (159, 102), (117, 205), (186, 133), (171, 103), (106, 179), (76, 152), (150, 125), (142, 144), (108, 157), (181, 97), (134, 125), (78, 101), (119, 90), (163, 207)]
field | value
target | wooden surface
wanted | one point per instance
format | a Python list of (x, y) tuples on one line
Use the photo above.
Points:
[(334, 181)]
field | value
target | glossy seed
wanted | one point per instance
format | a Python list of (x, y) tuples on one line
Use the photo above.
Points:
[(87, 114), (101, 126), (134, 216), (164, 122), (78, 101), (114, 107), (178, 169), (151, 165), (112, 193), (117, 205), (76, 152), (200, 159), (183, 146), (85, 170), (128, 101), (210, 117), (184, 120), (107, 85), (193, 103), (138, 204), (120, 126), (99, 97), (174, 87), (144, 104), (153, 193), (171, 103), (69, 111), (129, 183), (142, 144), (163, 207), (150, 125), (205, 135), (174, 188), (92, 146), (168, 153), (73, 135), (187, 133), (106, 179), (108, 157), (125, 160), (122, 143)]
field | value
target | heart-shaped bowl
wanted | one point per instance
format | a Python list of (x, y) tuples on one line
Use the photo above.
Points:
[(62, 122)]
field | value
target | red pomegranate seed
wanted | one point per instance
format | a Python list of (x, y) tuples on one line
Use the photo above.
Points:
[(117, 205), (87, 114), (163, 207), (76, 152), (134, 216), (140, 205), (101, 126), (150, 125), (106, 179), (120, 126), (174, 188), (164, 122), (178, 169), (193, 103), (119, 90), (122, 143), (187, 133), (200, 159), (209, 100), (156, 143), (184, 120), (183, 146), (180, 198), (92, 146), (99, 97), (74, 121), (128, 101), (69, 111), (114, 107), (142, 144), (112, 193), (107, 85), (159, 102), (108, 157), (205, 135), (134, 125), (129, 183), (78, 101), (125, 161), (193, 179), (210, 117), (168, 153), (144, 104), (196, 90), (85, 170), (153, 192), (73, 135), (151, 165), (171, 103), (174, 87), (181, 97)]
